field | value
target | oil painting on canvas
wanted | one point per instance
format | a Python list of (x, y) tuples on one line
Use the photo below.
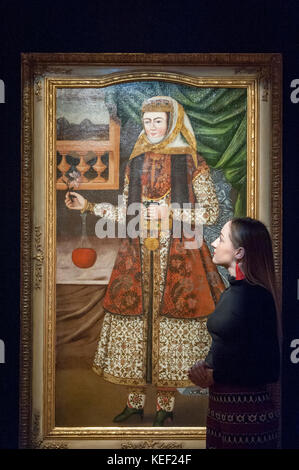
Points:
[(140, 166)]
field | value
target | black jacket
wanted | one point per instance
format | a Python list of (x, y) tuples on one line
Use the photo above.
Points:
[(243, 327)]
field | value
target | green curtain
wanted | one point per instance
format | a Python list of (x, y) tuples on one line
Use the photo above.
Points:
[(218, 117)]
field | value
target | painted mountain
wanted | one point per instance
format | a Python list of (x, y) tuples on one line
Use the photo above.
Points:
[(86, 130)]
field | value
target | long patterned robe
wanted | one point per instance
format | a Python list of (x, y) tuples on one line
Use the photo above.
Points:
[(157, 302)]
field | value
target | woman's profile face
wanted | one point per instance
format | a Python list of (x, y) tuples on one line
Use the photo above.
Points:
[(224, 252), (155, 125)]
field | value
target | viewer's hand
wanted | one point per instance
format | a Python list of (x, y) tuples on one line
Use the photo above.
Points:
[(78, 202), (201, 375)]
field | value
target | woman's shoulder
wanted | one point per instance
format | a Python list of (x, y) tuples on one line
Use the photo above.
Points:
[(258, 289), (246, 285), (248, 294)]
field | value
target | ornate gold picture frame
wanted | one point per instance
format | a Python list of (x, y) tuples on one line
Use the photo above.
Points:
[(53, 85)]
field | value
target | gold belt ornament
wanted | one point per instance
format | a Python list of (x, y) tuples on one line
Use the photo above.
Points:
[(151, 244)]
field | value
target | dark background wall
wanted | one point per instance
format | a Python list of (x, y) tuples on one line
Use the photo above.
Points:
[(138, 26)]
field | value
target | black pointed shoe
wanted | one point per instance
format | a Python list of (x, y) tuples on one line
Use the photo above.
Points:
[(126, 413), (161, 416)]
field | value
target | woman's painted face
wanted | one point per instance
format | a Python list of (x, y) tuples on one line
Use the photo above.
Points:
[(224, 252), (155, 125)]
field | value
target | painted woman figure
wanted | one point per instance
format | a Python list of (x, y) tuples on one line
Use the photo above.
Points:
[(161, 291)]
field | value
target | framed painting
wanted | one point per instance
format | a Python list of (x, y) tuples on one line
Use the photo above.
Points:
[(112, 316)]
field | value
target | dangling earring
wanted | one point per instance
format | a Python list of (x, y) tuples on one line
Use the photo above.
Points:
[(239, 273)]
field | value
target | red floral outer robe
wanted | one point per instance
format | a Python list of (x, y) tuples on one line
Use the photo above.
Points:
[(192, 282)]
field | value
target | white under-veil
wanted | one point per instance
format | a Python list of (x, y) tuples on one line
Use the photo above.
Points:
[(179, 138)]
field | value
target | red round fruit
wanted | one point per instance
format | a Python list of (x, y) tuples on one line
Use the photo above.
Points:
[(84, 257)]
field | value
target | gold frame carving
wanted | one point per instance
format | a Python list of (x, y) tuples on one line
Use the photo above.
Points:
[(261, 74), (151, 445), (38, 257)]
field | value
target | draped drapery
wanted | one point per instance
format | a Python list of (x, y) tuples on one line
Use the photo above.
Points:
[(218, 117), (79, 316)]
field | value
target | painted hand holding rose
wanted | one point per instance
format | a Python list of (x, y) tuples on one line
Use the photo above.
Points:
[(200, 374), (74, 200)]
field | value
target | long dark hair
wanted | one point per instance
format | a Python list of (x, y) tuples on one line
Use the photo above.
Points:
[(258, 261)]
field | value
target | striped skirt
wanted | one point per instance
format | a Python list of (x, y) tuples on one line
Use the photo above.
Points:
[(241, 418)]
